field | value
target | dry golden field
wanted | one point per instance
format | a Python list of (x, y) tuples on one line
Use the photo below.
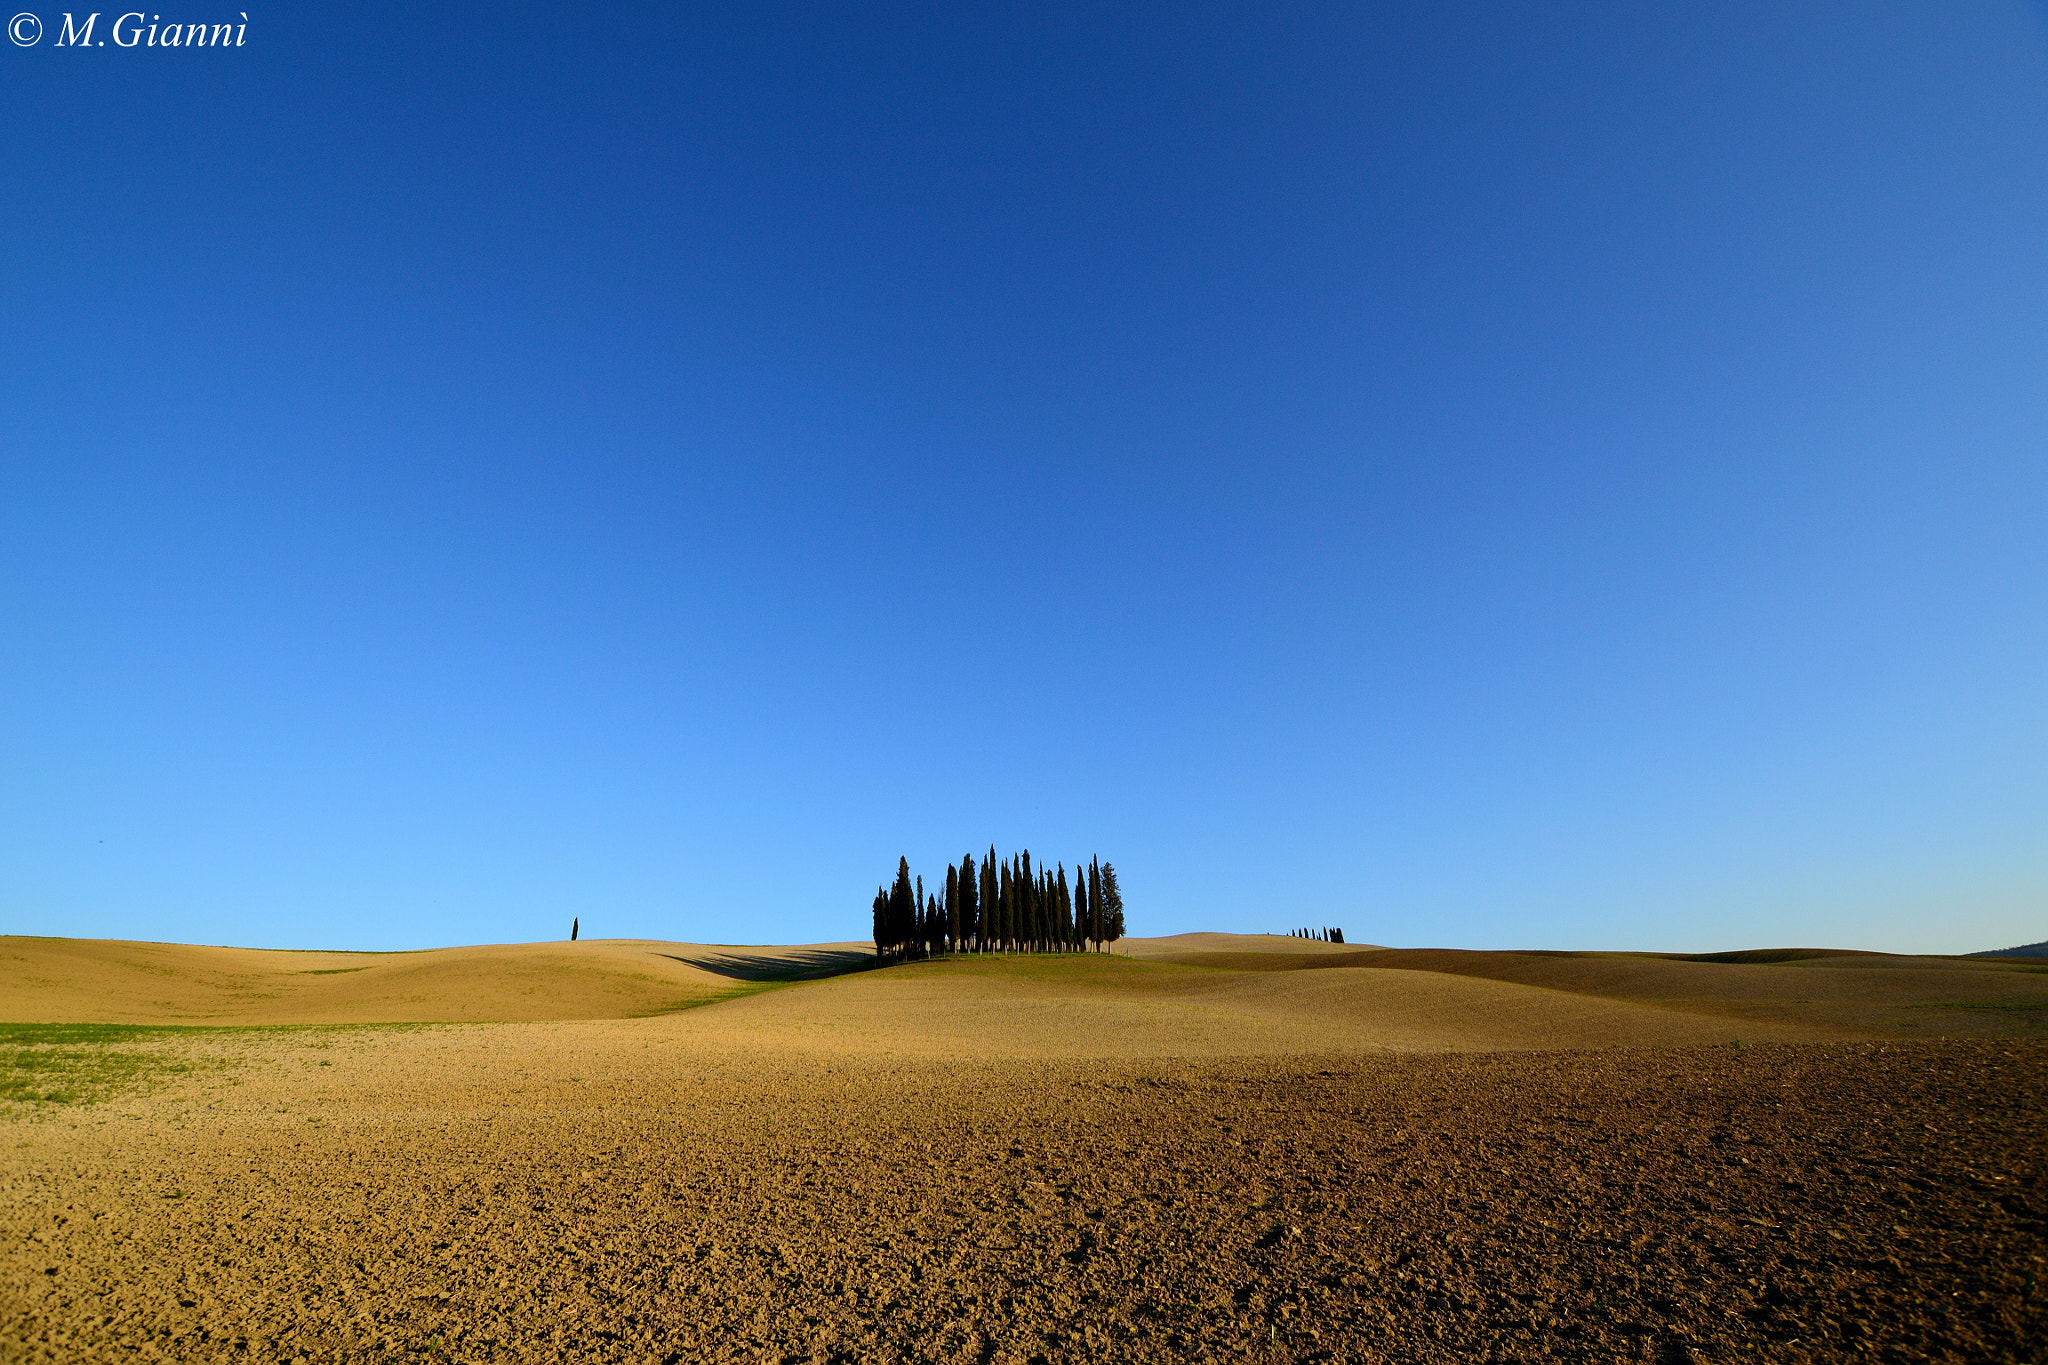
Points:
[(1202, 1148)]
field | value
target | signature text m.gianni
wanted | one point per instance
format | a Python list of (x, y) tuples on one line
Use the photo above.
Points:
[(137, 30)]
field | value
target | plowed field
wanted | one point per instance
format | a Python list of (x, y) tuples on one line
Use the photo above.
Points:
[(1034, 1159)]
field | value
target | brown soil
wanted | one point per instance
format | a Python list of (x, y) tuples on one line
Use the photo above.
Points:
[(1866, 993), (69, 980), (1107, 1159)]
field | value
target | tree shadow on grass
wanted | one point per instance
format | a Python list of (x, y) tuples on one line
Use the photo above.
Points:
[(806, 965)]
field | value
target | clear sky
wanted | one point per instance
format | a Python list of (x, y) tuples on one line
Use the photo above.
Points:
[(1566, 476)]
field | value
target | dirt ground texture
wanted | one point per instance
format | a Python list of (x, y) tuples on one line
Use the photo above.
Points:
[(1022, 1161), (70, 981)]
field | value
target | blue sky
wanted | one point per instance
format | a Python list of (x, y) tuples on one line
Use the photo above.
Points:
[(1484, 476)]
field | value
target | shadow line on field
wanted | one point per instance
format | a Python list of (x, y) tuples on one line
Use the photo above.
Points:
[(800, 966)]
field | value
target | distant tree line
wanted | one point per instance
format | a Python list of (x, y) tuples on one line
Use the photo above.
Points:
[(1002, 907), (1326, 935)]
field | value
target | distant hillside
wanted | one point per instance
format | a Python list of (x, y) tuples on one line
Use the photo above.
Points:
[(79, 980), (2024, 950)]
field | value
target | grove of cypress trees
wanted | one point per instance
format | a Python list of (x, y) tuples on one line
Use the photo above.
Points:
[(1007, 906)]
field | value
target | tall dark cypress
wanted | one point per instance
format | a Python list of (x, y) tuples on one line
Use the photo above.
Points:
[(1084, 909), (1034, 911), (1095, 902), (965, 924), (1020, 899), (902, 907), (881, 921), (1048, 911), (1066, 904), (1027, 904), (991, 901), (1004, 903), (1112, 905), (952, 907)]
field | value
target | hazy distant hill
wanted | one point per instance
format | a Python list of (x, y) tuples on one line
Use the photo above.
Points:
[(2024, 950)]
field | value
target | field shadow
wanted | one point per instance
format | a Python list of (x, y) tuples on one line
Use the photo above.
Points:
[(805, 965)]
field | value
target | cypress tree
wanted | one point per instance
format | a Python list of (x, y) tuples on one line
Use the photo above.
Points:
[(991, 904), (902, 907), (965, 925), (1056, 908), (1031, 905), (1026, 909), (1112, 905), (1031, 933), (978, 909), (1034, 906), (1065, 911), (952, 907), (1095, 920), (1020, 906), (1084, 906), (1006, 917)]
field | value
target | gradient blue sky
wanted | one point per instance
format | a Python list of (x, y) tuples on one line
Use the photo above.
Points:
[(1488, 476)]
